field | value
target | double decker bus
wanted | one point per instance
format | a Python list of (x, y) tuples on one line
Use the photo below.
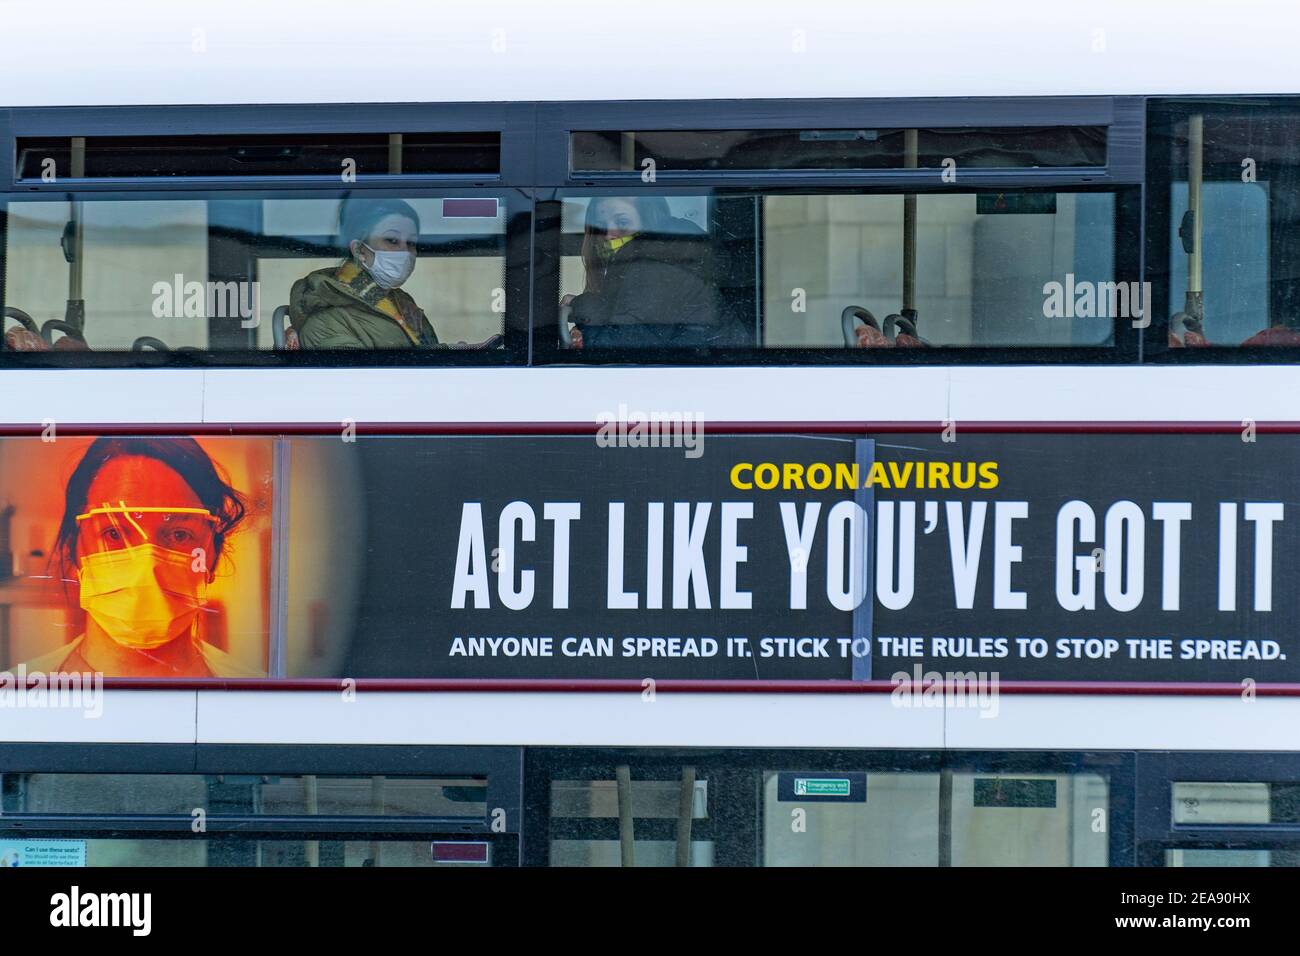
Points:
[(822, 439)]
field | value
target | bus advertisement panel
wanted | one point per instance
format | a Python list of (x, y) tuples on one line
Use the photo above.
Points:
[(773, 557)]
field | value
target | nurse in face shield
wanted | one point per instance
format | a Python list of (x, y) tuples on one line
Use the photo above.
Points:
[(144, 528), (143, 570)]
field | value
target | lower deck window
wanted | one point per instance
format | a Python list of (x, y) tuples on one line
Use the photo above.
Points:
[(254, 794)]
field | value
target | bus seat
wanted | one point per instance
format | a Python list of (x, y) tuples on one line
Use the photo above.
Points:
[(26, 336), (572, 335), (72, 341), (158, 345), (864, 336), (1194, 336), (1277, 335), (906, 337), (283, 335)]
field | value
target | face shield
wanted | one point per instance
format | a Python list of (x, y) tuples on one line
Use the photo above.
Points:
[(121, 526), (144, 570)]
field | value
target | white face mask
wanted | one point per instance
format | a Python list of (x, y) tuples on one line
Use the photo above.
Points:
[(390, 269)]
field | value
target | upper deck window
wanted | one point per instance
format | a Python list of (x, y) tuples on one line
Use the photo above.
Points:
[(313, 154), (882, 271), (359, 274), (611, 151), (1223, 234)]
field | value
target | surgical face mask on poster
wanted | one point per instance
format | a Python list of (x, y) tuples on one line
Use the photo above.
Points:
[(142, 597)]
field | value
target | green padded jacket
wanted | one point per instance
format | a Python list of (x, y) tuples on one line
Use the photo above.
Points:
[(343, 308)]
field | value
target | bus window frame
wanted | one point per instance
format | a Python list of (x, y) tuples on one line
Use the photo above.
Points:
[(501, 765), (534, 165), (1159, 771), (512, 121), (1125, 348), (544, 764), (515, 243), (1163, 114), (1123, 115)]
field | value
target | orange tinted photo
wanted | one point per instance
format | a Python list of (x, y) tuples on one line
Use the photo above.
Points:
[(157, 562)]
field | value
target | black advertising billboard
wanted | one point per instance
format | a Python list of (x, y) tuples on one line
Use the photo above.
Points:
[(1038, 557)]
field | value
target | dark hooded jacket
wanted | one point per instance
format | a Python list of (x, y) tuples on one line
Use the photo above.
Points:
[(330, 313), (656, 291)]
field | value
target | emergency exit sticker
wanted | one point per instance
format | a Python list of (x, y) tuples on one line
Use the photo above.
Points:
[(469, 208), (822, 787)]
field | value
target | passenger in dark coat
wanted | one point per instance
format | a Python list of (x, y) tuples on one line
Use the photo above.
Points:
[(648, 282)]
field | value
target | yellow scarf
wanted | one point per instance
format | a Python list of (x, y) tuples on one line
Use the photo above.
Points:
[(354, 277), (611, 246)]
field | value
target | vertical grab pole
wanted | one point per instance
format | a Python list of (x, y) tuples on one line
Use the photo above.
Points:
[(685, 815), (75, 313), (1073, 832), (945, 817), (1195, 303), (627, 152), (909, 230), (394, 154), (311, 849), (623, 774), (379, 809)]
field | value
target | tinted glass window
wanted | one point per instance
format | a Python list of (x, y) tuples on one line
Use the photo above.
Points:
[(243, 794), (316, 154), (129, 849), (843, 271), (267, 274), (812, 149), (1224, 221), (1202, 804)]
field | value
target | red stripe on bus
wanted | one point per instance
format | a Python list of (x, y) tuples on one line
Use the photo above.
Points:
[(638, 685), (591, 427)]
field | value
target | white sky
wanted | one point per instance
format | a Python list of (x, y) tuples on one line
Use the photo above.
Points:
[(90, 52)]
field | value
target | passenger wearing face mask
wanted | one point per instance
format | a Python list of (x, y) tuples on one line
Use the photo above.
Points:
[(647, 280), (144, 527), (359, 304)]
